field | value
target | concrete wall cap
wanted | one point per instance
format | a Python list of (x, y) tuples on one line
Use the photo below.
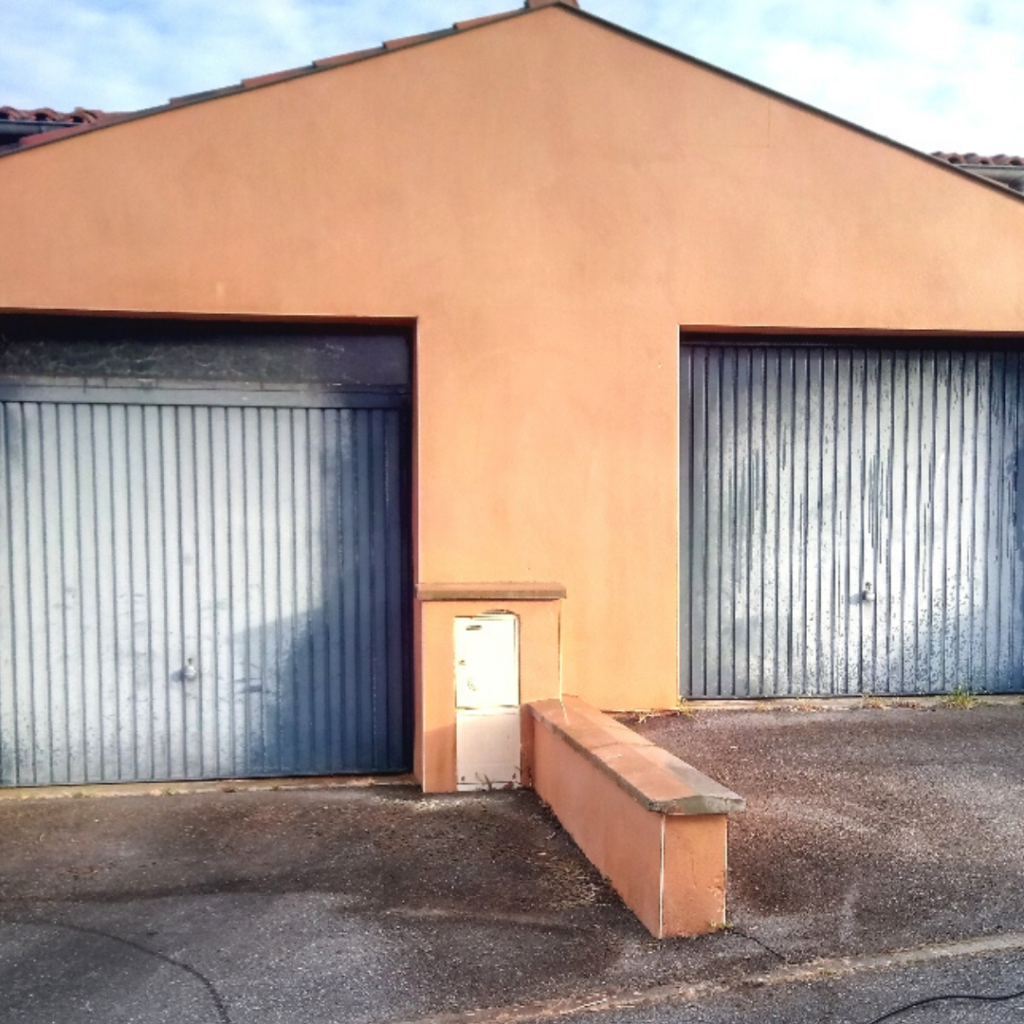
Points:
[(658, 780), (490, 591)]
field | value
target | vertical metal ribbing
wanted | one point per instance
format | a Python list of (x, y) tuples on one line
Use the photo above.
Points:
[(895, 468), (756, 541), (1016, 517), (815, 613), (696, 584), (789, 529), (366, 611), (104, 575), (973, 513), (912, 525), (754, 538), (248, 560), (349, 498), (381, 598), (223, 486), (686, 484), (268, 547), (60, 634), (773, 518), (399, 560), (202, 598), (238, 653), (282, 667), (90, 625), (321, 702), (713, 522), (153, 611), (12, 611), (902, 512), (943, 519), (330, 464), (116, 552), (270, 612), (193, 542), (296, 584), (39, 664), (1002, 533), (929, 667), (22, 773), (833, 621), (988, 482), (731, 463), (8, 665), (138, 601)]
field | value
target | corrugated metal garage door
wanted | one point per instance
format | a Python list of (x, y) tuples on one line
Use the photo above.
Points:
[(809, 474), (202, 584)]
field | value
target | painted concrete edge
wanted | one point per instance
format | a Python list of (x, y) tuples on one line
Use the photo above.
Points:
[(94, 790), (682, 789), (490, 591), (649, 996)]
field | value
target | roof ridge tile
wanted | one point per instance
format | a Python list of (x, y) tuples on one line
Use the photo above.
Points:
[(422, 37)]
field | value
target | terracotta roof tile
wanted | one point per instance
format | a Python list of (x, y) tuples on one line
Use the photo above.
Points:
[(348, 58), (209, 94), (277, 76), (47, 116), (461, 26), (973, 160), (423, 37)]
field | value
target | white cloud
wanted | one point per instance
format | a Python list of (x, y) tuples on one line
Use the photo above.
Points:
[(935, 74), (932, 73), (116, 56)]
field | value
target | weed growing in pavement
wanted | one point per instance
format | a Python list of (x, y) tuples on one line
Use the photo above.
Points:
[(682, 709), (876, 702), (962, 696)]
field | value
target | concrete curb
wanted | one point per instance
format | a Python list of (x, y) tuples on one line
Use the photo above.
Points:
[(657, 995)]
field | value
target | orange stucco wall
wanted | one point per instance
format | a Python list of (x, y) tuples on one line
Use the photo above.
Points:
[(670, 870), (549, 200)]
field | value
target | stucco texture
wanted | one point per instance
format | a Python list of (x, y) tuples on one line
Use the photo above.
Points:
[(548, 200)]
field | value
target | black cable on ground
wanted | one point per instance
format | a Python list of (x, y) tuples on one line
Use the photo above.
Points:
[(739, 933), (215, 996), (970, 997)]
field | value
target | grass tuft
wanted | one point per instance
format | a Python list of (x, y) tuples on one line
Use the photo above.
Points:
[(962, 696)]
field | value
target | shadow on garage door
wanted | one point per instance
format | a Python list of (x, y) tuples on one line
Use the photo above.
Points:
[(202, 576)]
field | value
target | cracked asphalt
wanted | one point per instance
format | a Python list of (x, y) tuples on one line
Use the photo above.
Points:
[(867, 831)]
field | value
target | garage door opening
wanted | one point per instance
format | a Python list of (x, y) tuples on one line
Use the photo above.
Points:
[(204, 551), (852, 518)]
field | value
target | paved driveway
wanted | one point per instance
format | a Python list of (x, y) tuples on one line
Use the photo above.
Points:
[(867, 830)]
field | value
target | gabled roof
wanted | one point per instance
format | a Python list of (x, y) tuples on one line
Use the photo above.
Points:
[(42, 126), (59, 126)]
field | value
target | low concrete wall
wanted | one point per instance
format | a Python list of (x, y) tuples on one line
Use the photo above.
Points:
[(655, 827)]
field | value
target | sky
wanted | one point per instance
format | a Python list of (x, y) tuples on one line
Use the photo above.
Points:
[(933, 74)]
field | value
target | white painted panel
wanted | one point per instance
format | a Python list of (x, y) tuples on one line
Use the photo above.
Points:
[(487, 748), (487, 661)]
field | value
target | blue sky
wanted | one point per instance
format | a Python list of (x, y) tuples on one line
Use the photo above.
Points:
[(934, 74)]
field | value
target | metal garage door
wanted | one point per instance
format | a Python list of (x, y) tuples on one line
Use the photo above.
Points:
[(852, 521), (202, 583)]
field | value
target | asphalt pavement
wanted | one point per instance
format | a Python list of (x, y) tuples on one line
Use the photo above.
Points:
[(880, 861)]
